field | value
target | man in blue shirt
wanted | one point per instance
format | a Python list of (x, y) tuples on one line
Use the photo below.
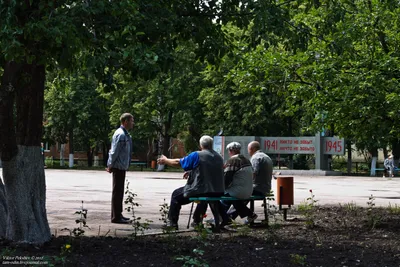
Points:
[(205, 176), (119, 159)]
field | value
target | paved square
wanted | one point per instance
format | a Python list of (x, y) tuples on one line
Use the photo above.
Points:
[(66, 189)]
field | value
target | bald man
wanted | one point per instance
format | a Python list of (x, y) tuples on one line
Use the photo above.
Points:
[(262, 169)]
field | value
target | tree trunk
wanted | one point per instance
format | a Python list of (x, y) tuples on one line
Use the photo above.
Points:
[(105, 154), (23, 173), (374, 154), (396, 151), (166, 135), (26, 197), (89, 155), (3, 210), (349, 156), (71, 148), (8, 142)]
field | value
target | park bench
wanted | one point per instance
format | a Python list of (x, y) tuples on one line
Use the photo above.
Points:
[(396, 170), (141, 164), (215, 201)]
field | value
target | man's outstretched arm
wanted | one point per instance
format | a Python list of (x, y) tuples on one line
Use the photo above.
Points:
[(170, 162)]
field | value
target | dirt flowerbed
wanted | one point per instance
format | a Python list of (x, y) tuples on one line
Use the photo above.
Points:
[(329, 236)]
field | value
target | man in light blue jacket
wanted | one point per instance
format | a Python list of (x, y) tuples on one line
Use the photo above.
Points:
[(119, 159)]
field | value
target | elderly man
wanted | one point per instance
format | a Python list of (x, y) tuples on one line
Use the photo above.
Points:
[(238, 176), (262, 176), (205, 179), (262, 169)]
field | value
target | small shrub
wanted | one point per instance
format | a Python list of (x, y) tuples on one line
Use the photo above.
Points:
[(61, 259), (138, 226), (307, 208), (373, 219), (297, 259), (394, 210), (351, 206), (300, 162), (196, 260), (79, 231), (164, 210)]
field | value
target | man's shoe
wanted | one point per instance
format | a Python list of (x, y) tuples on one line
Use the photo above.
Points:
[(121, 221), (251, 219)]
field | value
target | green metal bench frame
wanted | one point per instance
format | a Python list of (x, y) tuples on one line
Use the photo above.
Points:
[(214, 203), (139, 163)]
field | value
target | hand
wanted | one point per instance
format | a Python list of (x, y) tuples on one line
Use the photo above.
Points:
[(108, 170), (161, 160)]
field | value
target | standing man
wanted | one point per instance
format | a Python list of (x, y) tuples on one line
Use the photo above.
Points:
[(119, 159), (206, 178)]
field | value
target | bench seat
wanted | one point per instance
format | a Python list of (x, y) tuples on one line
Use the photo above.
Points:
[(214, 204)]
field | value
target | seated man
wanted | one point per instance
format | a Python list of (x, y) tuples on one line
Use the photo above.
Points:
[(262, 169), (205, 179), (389, 166), (262, 176), (238, 175)]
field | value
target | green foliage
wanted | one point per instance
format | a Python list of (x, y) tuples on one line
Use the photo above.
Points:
[(7, 252), (307, 208), (164, 210), (297, 259), (394, 209), (373, 218), (73, 106), (203, 233), (79, 231), (61, 259), (196, 260), (300, 162), (138, 226)]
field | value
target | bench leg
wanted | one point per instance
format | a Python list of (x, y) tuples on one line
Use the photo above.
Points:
[(252, 205), (190, 215), (265, 210), (214, 205)]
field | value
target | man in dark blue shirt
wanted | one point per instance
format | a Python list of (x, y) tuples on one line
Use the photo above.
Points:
[(204, 171)]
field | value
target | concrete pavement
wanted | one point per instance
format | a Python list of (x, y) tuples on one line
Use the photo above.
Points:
[(66, 189)]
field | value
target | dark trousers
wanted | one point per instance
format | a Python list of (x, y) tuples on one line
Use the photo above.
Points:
[(241, 208), (178, 200), (117, 193)]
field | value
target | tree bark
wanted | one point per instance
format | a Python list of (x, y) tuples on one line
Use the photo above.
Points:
[(374, 154), (26, 197), (89, 154), (349, 160), (23, 172), (8, 145), (3, 210), (71, 148), (166, 135)]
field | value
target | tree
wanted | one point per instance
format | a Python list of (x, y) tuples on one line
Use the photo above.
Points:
[(116, 36), (37, 35), (167, 104), (76, 112)]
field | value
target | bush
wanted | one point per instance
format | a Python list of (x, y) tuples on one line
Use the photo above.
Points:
[(300, 162)]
